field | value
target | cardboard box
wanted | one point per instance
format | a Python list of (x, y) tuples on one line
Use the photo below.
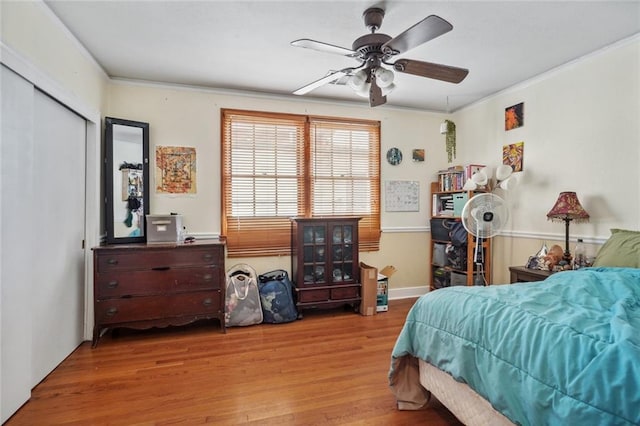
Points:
[(382, 302), (164, 228), (369, 289)]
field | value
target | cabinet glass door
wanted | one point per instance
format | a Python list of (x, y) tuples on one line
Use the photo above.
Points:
[(342, 253), (314, 256)]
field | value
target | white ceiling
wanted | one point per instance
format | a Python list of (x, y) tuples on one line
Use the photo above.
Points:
[(245, 45)]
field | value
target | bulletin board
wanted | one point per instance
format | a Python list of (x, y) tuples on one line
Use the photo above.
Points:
[(402, 196)]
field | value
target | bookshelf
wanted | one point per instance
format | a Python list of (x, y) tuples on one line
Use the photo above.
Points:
[(449, 264)]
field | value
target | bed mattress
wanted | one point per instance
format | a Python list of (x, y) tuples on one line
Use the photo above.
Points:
[(540, 353), (469, 407)]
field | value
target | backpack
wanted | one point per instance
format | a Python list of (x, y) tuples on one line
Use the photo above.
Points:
[(457, 233), (242, 300), (276, 297)]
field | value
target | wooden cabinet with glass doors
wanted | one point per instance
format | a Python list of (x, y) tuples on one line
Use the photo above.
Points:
[(324, 262)]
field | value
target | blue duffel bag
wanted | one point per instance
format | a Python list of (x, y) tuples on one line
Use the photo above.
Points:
[(276, 297)]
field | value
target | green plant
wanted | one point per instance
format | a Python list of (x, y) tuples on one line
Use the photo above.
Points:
[(450, 138)]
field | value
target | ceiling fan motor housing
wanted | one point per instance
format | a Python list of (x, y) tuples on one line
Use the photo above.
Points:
[(373, 18), (370, 44)]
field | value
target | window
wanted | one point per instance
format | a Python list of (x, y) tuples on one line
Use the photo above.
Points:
[(277, 166)]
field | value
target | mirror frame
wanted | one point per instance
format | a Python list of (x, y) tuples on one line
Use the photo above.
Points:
[(111, 168)]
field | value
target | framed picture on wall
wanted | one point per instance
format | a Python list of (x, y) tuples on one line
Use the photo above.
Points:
[(514, 116), (418, 155), (513, 155)]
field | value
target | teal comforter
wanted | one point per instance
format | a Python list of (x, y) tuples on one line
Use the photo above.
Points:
[(562, 351)]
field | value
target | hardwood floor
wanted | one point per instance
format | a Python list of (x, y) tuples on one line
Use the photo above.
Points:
[(329, 368)]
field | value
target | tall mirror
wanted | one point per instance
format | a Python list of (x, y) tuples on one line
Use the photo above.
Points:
[(127, 180)]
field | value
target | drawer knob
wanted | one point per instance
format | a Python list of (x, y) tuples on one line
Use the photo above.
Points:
[(112, 284), (207, 302), (207, 256), (112, 261), (207, 277), (112, 311)]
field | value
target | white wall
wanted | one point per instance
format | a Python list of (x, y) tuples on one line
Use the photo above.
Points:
[(581, 133)]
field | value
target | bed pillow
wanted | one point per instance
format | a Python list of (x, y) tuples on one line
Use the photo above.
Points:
[(622, 249)]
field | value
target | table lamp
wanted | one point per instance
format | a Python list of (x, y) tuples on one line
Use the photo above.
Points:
[(568, 208)]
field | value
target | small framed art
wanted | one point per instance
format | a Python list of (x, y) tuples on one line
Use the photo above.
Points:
[(514, 116)]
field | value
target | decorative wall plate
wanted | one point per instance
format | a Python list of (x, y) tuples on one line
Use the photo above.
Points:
[(394, 156)]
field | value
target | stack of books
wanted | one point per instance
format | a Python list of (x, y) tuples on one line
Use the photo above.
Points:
[(454, 177)]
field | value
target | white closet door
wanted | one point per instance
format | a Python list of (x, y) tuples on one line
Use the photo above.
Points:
[(42, 213), (58, 257), (17, 237)]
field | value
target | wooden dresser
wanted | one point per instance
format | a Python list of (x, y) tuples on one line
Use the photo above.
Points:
[(156, 285)]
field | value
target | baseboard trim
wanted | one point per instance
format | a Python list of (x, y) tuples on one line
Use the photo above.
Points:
[(407, 292)]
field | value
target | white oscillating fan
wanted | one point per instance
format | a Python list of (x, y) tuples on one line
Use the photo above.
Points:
[(483, 216)]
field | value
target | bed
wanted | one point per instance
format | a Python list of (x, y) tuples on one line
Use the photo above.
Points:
[(561, 351)]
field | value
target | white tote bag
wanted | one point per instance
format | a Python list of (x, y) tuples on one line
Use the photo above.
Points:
[(242, 300)]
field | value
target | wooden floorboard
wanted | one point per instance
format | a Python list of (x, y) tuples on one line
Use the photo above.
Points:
[(329, 368)]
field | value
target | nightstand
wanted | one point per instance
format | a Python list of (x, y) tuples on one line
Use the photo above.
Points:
[(520, 274)]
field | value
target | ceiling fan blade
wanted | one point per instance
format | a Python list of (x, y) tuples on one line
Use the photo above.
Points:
[(324, 80), (323, 47), (429, 28), (431, 70)]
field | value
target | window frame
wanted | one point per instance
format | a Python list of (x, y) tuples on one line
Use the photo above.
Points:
[(270, 235)]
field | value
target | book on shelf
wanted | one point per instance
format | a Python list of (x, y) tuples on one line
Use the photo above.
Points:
[(451, 181), (454, 177)]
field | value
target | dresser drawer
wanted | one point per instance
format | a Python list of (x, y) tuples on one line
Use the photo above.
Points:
[(313, 295), (114, 311), (156, 282), (344, 293), (122, 260)]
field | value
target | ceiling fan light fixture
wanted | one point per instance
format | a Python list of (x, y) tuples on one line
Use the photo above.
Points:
[(384, 77), (358, 80), (364, 90), (388, 89)]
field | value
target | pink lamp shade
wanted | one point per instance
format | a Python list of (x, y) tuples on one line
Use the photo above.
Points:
[(568, 207)]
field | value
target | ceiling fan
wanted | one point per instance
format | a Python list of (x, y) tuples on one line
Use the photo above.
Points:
[(374, 50)]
